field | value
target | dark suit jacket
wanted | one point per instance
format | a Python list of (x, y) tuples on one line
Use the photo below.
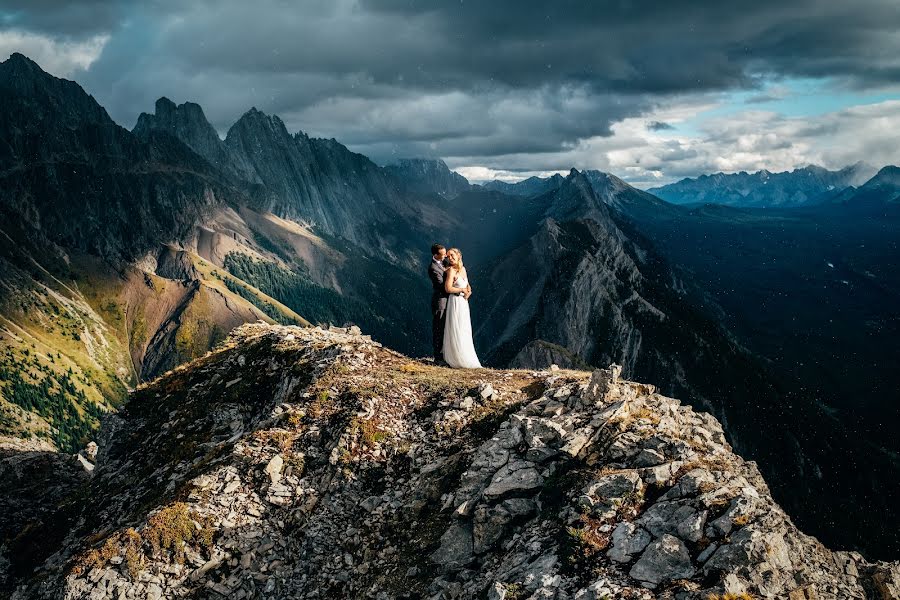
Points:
[(438, 293)]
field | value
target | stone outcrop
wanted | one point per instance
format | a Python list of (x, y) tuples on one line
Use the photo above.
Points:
[(310, 463)]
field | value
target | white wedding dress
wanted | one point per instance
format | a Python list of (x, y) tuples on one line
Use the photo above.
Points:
[(459, 348)]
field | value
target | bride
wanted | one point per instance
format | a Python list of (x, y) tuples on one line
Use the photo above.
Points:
[(459, 349)]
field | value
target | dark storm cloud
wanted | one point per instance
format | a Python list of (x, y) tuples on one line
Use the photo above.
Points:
[(460, 79), (658, 126), (666, 45), (68, 18)]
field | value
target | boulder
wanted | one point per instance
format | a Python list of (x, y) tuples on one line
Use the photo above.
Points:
[(627, 540), (456, 549), (273, 468), (517, 476), (666, 559)]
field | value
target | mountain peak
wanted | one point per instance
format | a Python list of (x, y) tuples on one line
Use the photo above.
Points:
[(255, 118), (45, 96), (428, 175), (163, 104), (19, 60), (18, 69), (888, 176), (187, 123), (888, 170), (578, 180)]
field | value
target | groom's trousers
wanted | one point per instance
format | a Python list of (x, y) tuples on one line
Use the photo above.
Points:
[(438, 312)]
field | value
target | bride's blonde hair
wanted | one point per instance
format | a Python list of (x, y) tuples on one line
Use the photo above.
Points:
[(459, 263)]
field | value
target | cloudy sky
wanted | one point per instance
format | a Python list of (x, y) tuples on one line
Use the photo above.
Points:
[(651, 90)]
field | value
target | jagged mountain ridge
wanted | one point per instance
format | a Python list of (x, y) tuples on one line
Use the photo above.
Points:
[(808, 185), (429, 176), (294, 463), (74, 175), (532, 186), (188, 123), (317, 182)]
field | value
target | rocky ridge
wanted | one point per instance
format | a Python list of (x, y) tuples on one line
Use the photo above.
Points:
[(424, 175), (188, 123), (533, 186), (310, 463)]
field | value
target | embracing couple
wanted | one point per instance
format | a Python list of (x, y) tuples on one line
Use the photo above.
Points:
[(451, 326)]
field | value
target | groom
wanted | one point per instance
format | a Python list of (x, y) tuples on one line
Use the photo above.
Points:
[(438, 300)]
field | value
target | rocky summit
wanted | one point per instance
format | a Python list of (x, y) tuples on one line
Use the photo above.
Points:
[(308, 463)]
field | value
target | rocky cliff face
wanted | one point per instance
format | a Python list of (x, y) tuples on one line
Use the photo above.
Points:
[(303, 463), (428, 176), (188, 123), (78, 179), (325, 185)]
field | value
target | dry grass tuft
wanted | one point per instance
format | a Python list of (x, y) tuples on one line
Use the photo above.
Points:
[(590, 537), (319, 406), (134, 558), (369, 430), (172, 528), (741, 520), (279, 438)]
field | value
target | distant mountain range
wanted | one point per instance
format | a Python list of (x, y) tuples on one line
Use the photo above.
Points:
[(533, 186), (800, 187), (125, 253), (428, 176)]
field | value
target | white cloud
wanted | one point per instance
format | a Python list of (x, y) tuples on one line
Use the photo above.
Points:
[(755, 140), (58, 57), (744, 141), (477, 174)]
